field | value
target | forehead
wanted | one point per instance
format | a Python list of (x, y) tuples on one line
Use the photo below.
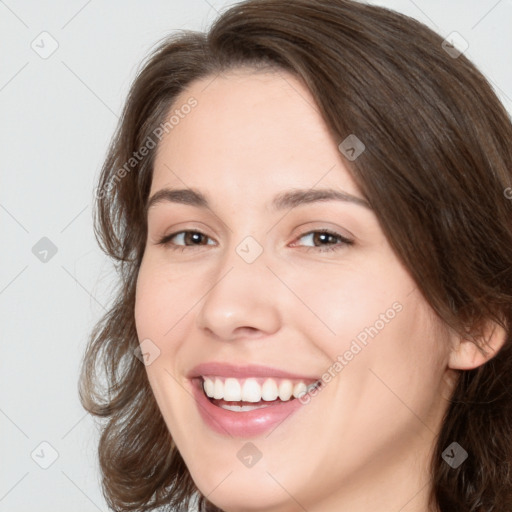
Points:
[(255, 128)]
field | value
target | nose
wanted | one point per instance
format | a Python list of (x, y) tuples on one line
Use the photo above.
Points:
[(242, 300)]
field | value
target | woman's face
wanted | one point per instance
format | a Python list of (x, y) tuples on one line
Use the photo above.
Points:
[(250, 294)]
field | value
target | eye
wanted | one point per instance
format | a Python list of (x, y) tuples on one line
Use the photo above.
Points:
[(325, 238), (190, 238), (195, 237)]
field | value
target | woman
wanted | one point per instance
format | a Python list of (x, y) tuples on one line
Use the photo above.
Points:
[(308, 207)]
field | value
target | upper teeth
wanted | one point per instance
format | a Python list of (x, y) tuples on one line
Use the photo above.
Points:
[(250, 390)]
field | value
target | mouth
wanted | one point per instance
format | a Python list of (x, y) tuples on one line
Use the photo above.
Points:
[(250, 406), (248, 394)]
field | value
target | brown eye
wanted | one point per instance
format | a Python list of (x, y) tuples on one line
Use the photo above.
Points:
[(326, 240), (184, 239)]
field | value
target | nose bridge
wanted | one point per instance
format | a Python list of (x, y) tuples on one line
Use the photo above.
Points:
[(239, 299)]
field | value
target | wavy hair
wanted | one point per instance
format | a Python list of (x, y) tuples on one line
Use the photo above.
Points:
[(437, 171)]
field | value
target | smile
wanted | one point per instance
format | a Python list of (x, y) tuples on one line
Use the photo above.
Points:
[(248, 407), (232, 393), (237, 400)]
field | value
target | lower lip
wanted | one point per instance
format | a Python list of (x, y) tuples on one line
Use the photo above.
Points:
[(242, 424)]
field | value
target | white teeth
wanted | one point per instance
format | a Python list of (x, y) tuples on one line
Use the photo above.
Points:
[(250, 390), (269, 390), (299, 389), (232, 391), (218, 389), (241, 408), (285, 390), (209, 387)]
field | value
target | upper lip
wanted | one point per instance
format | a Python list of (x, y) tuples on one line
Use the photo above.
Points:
[(244, 371)]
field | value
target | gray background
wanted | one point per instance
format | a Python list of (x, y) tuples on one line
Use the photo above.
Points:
[(57, 116)]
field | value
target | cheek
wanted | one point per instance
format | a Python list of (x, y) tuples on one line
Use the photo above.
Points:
[(161, 307), (162, 299), (377, 331), (396, 374), (349, 302), (147, 299)]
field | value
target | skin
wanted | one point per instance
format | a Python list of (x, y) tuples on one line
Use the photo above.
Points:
[(364, 442)]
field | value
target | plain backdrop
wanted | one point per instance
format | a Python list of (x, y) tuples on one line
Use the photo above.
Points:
[(59, 107)]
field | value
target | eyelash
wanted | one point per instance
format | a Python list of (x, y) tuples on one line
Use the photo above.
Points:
[(166, 240)]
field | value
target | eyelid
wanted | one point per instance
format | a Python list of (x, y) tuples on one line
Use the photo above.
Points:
[(344, 241), (195, 226), (165, 240)]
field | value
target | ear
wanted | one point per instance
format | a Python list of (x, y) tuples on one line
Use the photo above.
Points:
[(466, 355)]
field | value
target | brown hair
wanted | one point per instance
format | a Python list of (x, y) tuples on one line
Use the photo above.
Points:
[(437, 163)]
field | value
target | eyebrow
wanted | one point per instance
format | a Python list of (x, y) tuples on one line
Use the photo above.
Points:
[(283, 200)]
